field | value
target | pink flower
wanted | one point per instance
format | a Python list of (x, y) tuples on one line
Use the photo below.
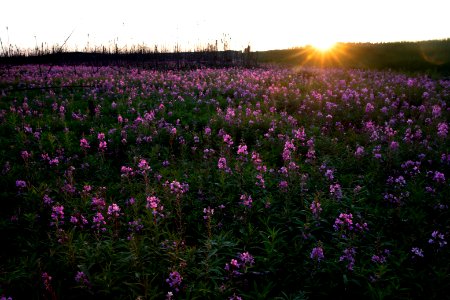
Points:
[(359, 151), (246, 200), (228, 140), (114, 210), (152, 203), (84, 144), (101, 136), (57, 215), (102, 146), (143, 165), (242, 150)]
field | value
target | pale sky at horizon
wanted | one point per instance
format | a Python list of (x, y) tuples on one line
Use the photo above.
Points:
[(275, 24)]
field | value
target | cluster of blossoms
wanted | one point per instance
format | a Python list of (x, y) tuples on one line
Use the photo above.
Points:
[(134, 227), (82, 279), (98, 221), (20, 184), (336, 191), (154, 204), (84, 144), (57, 215), (359, 152), (47, 281), (228, 140), (78, 220), (126, 171), (242, 150), (344, 223), (381, 258), (114, 211), (442, 129), (98, 203), (246, 200), (47, 200), (174, 281), (439, 177), (417, 252), (315, 208), (349, 257), (222, 165), (144, 166), (289, 147), (208, 213), (243, 261), (437, 238), (102, 145), (317, 254), (178, 188)]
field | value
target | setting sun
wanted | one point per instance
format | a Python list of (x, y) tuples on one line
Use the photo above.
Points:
[(323, 45)]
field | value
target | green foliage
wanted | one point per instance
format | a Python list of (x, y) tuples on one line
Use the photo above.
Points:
[(222, 183)]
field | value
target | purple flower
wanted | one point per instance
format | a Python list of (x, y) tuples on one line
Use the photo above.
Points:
[(208, 213), (246, 259), (442, 129), (114, 210), (359, 151), (98, 221), (315, 208), (317, 254), (222, 163), (174, 281), (348, 257), (329, 174), (344, 221), (335, 189), (143, 165), (101, 136), (152, 202), (82, 279), (369, 107), (84, 144), (47, 280), (98, 203), (102, 146), (242, 150), (437, 238), (379, 259), (57, 215), (21, 184), (439, 177), (246, 200), (228, 140), (47, 200), (417, 251), (178, 188)]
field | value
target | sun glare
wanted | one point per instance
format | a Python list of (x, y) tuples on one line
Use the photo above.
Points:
[(324, 45)]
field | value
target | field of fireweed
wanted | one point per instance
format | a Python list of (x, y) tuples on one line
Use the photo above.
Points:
[(223, 184)]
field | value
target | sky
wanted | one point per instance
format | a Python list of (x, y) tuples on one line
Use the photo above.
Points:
[(264, 25)]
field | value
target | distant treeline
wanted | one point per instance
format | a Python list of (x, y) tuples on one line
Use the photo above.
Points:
[(424, 56), (431, 56), (156, 60)]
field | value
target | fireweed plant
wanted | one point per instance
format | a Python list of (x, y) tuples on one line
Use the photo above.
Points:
[(223, 184)]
